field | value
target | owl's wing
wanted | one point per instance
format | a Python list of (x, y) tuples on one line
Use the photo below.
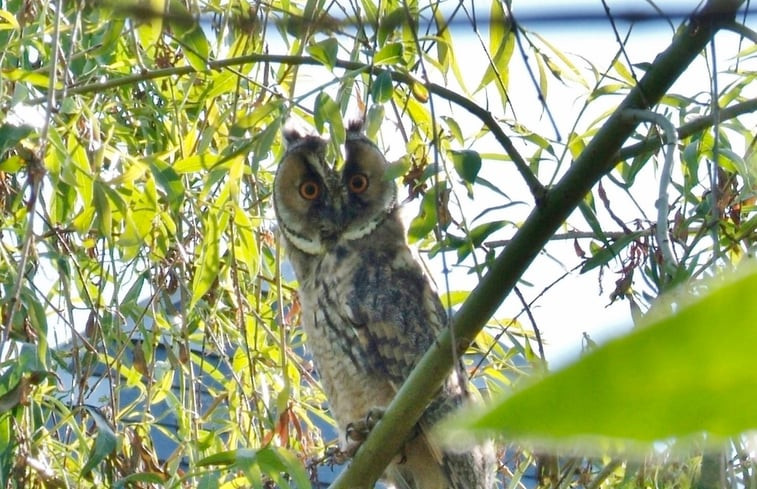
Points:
[(396, 315)]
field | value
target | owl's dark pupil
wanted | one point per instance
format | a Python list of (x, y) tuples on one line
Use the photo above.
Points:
[(309, 190), (358, 183)]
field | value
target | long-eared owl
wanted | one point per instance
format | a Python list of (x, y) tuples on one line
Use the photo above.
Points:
[(368, 310)]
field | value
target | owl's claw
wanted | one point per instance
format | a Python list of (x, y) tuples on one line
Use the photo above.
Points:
[(335, 456), (357, 431)]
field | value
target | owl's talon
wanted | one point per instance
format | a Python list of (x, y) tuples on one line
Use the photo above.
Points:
[(357, 431), (335, 456), (373, 417)]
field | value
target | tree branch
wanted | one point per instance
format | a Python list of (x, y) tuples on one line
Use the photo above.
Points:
[(689, 129), (596, 160), (534, 186)]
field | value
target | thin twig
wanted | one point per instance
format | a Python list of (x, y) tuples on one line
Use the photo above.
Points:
[(663, 207)]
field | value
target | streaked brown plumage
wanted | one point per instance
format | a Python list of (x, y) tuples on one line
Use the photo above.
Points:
[(367, 308)]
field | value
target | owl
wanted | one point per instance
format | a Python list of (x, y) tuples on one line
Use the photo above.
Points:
[(368, 310)]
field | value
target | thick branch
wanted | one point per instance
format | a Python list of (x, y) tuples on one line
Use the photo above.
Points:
[(596, 160)]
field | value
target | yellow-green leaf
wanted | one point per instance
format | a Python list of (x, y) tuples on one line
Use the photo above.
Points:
[(325, 51), (208, 263), (389, 54), (8, 21)]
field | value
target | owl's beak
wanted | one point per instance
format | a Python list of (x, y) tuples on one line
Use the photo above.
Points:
[(332, 224)]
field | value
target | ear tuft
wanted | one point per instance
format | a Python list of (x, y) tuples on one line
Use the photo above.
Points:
[(355, 126), (291, 135)]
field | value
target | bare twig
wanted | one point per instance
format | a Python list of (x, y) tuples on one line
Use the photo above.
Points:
[(663, 238)]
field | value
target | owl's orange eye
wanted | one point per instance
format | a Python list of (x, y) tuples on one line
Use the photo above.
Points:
[(310, 190), (358, 183)]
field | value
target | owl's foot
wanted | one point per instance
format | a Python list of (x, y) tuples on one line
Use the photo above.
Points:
[(335, 456), (357, 431)]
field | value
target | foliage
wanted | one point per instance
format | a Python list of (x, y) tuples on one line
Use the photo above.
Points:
[(676, 378), (144, 296)]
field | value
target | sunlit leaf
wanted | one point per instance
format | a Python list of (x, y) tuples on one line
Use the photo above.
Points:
[(190, 35), (389, 54), (325, 51), (425, 221), (208, 262), (41, 80), (8, 21), (327, 112), (151, 27)]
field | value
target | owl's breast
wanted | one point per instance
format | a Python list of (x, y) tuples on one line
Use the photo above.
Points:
[(350, 369)]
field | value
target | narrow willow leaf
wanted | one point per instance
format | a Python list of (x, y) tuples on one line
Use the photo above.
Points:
[(327, 112), (603, 255), (389, 54), (105, 441), (168, 179), (390, 22), (8, 21), (37, 79), (208, 263), (325, 51), (425, 221), (190, 35), (677, 376), (382, 88), (373, 120), (151, 28), (501, 47)]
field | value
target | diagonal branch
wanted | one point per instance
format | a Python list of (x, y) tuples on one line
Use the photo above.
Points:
[(596, 160)]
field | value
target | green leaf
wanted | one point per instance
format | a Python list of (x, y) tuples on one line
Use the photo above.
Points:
[(190, 35), (389, 23), (382, 88), (373, 120), (677, 375), (609, 251), (325, 51), (271, 461), (208, 263), (327, 111), (389, 54), (40, 80), (105, 440), (425, 221), (8, 21), (467, 164), (501, 47), (11, 135), (169, 180)]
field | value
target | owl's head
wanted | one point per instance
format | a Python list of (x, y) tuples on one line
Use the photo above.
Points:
[(318, 205)]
